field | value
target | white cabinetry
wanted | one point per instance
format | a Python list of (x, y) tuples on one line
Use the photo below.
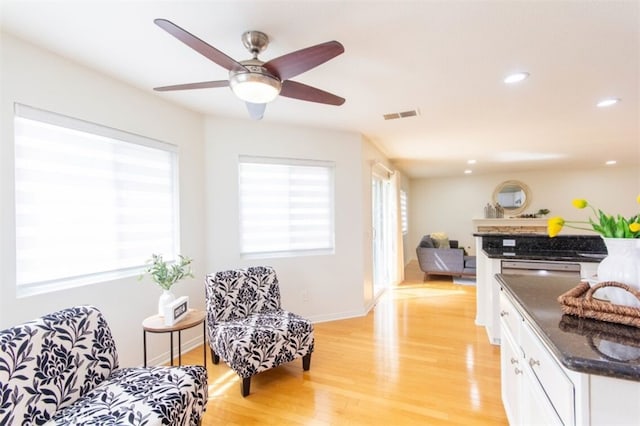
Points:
[(538, 390), (535, 390), (511, 374), (487, 293)]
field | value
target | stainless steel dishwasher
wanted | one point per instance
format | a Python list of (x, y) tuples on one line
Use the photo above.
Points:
[(541, 268)]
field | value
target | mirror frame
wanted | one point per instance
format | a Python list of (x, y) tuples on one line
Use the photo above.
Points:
[(523, 187)]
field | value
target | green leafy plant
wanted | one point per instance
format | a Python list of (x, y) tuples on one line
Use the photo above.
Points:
[(607, 225), (166, 275)]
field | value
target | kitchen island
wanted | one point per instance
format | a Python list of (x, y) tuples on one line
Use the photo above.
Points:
[(561, 369)]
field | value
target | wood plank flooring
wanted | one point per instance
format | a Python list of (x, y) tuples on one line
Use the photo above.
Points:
[(416, 358)]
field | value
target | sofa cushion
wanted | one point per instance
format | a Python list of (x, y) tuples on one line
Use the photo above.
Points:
[(440, 240), (426, 242), (470, 262), (149, 396)]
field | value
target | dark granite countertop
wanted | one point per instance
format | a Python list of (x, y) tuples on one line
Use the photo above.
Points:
[(548, 255), (580, 344)]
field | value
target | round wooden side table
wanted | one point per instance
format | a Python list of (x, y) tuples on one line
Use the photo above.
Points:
[(155, 324)]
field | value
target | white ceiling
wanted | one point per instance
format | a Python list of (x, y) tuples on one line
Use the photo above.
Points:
[(445, 58)]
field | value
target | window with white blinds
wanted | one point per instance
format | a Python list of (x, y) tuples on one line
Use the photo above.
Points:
[(92, 203), (286, 206), (404, 214)]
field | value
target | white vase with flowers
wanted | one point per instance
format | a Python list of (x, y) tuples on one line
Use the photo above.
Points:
[(621, 236), (166, 274)]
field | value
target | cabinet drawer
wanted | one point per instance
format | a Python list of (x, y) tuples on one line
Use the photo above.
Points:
[(510, 317), (554, 382)]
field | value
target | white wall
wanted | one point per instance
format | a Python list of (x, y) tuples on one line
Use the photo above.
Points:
[(39, 79), (449, 204), (320, 287)]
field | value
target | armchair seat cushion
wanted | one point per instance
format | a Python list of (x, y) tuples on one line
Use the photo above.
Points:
[(262, 341), (152, 396)]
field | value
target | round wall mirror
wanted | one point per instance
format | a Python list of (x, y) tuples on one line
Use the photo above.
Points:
[(513, 195)]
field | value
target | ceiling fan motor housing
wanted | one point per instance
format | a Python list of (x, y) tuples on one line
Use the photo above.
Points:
[(255, 83)]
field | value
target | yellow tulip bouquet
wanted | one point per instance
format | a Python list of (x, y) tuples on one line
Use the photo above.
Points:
[(608, 226)]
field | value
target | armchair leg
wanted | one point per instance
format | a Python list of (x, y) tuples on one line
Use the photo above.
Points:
[(214, 357), (306, 362), (245, 386)]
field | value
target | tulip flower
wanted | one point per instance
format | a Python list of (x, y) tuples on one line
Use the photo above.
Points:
[(606, 225)]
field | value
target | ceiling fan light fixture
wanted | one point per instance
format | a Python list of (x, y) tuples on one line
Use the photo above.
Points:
[(255, 88)]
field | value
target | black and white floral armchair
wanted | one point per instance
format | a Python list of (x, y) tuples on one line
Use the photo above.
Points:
[(248, 329), (62, 369)]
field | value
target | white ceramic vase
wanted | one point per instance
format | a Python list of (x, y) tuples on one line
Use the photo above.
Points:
[(622, 264), (165, 298)]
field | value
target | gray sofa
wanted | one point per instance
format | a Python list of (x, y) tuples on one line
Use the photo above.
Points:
[(438, 258), (62, 369)]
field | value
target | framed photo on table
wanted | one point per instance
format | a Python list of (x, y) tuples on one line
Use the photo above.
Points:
[(175, 311)]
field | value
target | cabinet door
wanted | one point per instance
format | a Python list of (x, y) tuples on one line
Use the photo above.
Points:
[(511, 372), (545, 372), (536, 409)]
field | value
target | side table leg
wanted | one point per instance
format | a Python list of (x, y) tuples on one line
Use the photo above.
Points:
[(179, 347), (171, 333), (144, 346)]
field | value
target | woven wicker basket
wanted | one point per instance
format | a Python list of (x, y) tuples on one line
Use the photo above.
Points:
[(579, 301)]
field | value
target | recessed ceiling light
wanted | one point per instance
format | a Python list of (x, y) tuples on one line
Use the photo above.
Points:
[(516, 77), (610, 162), (471, 162), (468, 172), (607, 102)]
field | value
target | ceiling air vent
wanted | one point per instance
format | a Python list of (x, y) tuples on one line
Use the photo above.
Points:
[(403, 114)]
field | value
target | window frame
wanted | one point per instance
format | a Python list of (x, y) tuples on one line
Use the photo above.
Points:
[(115, 136), (292, 162)]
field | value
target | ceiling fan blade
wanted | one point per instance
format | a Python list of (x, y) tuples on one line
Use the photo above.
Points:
[(256, 111), (295, 63), (199, 46), (189, 86), (293, 89)]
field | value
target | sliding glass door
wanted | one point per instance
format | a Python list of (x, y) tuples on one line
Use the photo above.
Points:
[(384, 232)]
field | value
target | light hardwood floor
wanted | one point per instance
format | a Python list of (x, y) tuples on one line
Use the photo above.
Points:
[(416, 358)]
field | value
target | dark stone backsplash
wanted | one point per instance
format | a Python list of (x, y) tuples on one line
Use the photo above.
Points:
[(543, 243)]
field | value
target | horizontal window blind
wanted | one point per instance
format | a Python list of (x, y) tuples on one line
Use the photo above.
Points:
[(404, 214), (90, 200), (286, 206)]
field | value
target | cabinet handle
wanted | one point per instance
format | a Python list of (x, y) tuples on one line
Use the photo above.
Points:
[(533, 362), (517, 371), (514, 361), (504, 313)]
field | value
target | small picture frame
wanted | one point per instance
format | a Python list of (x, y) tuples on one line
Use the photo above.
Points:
[(175, 311)]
